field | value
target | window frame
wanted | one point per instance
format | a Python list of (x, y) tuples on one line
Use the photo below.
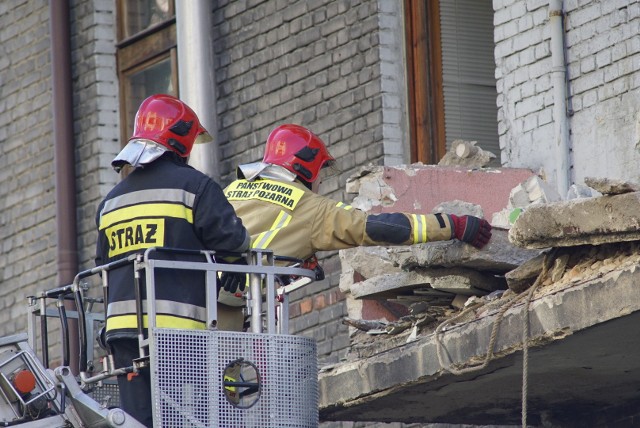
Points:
[(150, 46), (425, 96)]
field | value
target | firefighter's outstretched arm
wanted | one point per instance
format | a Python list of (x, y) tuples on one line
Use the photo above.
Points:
[(344, 227), (400, 228)]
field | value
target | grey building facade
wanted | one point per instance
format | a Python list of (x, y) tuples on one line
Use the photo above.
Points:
[(347, 69)]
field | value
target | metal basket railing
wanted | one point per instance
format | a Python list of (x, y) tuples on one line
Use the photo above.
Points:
[(261, 378)]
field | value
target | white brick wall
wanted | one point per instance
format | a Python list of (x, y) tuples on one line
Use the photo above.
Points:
[(394, 132), (603, 59), (96, 117)]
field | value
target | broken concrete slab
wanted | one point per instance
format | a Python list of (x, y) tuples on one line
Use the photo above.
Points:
[(466, 282), (455, 280), (499, 255), (369, 261), (577, 191), (364, 325), (523, 277), (610, 186), (388, 285), (600, 220), (429, 295), (574, 358)]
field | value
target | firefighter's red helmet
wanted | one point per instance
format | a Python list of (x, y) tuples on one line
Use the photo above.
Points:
[(299, 150), (168, 121)]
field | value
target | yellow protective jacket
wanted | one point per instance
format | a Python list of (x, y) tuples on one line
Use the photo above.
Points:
[(293, 221)]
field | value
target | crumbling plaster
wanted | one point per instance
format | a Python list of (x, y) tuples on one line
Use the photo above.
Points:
[(419, 188)]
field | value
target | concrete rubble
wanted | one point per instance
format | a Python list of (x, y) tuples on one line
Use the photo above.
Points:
[(549, 253), (605, 219), (441, 274), (436, 273), (466, 153)]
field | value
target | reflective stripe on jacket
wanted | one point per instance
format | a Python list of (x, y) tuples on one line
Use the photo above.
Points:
[(165, 204)]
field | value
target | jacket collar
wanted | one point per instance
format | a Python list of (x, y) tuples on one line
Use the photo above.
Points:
[(251, 171)]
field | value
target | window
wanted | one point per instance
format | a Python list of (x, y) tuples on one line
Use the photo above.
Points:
[(452, 93), (146, 55)]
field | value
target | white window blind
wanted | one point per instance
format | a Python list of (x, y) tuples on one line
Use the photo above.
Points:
[(468, 69)]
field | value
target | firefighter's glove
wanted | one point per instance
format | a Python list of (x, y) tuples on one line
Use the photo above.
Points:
[(233, 281), (472, 230)]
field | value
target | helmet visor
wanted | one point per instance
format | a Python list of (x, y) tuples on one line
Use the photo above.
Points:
[(203, 138)]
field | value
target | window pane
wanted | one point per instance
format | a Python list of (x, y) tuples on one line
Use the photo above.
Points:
[(142, 14), (155, 79), (468, 71)]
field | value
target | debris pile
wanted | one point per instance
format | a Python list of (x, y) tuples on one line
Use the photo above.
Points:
[(424, 284), (401, 292), (573, 265)]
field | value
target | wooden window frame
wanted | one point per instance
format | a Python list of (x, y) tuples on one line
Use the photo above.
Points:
[(139, 51), (424, 65)]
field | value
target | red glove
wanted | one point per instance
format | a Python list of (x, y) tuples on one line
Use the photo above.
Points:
[(473, 230)]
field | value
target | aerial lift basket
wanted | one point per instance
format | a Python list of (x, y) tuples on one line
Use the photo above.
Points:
[(212, 378), (200, 378)]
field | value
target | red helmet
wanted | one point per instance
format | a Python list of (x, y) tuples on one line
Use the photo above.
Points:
[(169, 122), (298, 150)]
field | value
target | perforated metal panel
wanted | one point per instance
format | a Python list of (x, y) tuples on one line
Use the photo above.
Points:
[(107, 393), (279, 389)]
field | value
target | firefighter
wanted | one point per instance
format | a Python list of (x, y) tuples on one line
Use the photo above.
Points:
[(162, 202), (278, 203)]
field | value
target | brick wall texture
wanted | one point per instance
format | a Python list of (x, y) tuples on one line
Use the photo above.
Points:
[(602, 40), (28, 233), (27, 210), (311, 63), (332, 66), (317, 64), (96, 113)]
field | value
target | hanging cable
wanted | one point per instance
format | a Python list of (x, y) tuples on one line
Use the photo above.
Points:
[(527, 297)]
